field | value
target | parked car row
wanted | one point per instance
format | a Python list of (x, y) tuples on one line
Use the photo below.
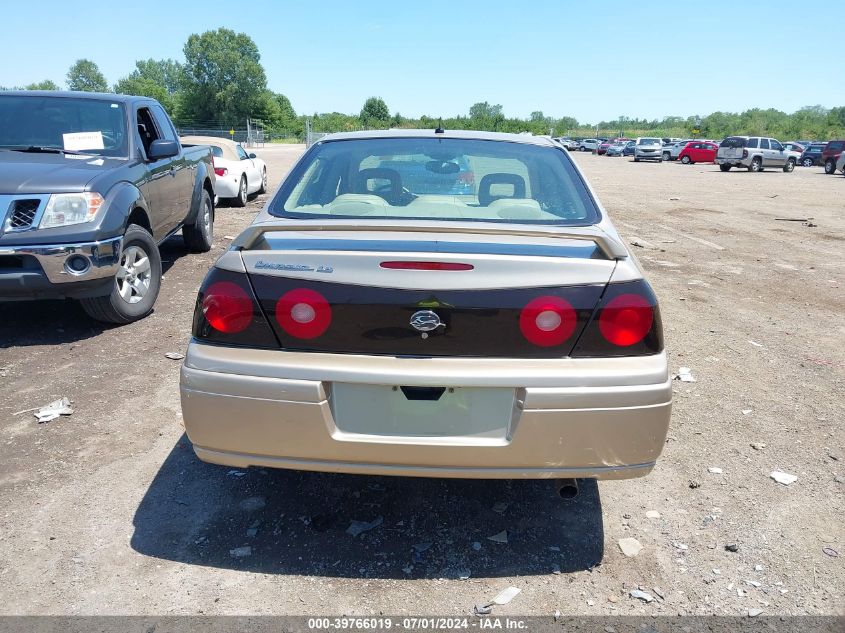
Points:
[(754, 153), (90, 185)]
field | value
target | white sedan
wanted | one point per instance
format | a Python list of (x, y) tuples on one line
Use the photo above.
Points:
[(239, 174)]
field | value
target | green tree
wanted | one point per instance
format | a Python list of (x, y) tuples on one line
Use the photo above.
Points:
[(224, 80), (144, 87), (84, 75), (159, 79), (47, 84), (374, 113)]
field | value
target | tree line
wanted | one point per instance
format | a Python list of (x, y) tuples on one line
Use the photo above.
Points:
[(221, 83)]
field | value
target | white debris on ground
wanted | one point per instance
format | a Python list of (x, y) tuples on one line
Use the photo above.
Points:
[(53, 410), (714, 470), (684, 375), (783, 478), (506, 595), (642, 595), (174, 356)]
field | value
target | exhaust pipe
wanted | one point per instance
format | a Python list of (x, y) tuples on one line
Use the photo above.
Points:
[(566, 488)]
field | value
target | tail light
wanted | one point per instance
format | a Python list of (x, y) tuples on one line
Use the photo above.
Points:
[(625, 323), (745, 153), (303, 313), (227, 312), (547, 321), (220, 171)]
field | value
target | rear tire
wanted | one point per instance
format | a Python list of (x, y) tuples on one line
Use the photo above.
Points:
[(829, 166), (756, 164), (808, 162), (131, 298), (725, 167), (198, 237), (240, 199), (789, 166), (685, 160)]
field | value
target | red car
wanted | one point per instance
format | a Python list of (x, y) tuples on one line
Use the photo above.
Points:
[(830, 154), (602, 149), (698, 152)]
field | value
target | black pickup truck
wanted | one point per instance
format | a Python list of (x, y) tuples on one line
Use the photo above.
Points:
[(90, 184)]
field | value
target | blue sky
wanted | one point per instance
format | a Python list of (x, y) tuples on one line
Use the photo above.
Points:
[(591, 60)]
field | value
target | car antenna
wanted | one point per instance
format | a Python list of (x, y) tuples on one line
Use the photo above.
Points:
[(439, 129)]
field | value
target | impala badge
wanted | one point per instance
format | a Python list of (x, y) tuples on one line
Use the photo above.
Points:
[(426, 321)]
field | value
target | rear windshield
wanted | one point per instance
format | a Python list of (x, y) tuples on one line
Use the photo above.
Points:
[(91, 126), (733, 142), (436, 179)]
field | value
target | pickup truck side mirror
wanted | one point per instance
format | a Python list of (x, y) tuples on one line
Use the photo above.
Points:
[(162, 148)]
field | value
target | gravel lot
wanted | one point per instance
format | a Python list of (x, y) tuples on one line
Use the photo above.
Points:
[(108, 511)]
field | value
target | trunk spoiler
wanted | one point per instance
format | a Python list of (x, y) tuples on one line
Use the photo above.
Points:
[(611, 247)]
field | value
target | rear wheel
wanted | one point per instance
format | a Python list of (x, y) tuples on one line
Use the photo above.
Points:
[(756, 164), (725, 167), (136, 284), (808, 162), (240, 199), (829, 166), (685, 160), (790, 165), (198, 237)]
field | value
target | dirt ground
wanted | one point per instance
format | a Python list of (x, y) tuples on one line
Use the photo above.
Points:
[(108, 511)]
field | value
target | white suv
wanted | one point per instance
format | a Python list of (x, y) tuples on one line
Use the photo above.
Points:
[(755, 153)]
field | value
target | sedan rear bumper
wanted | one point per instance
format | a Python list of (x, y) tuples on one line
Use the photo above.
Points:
[(597, 418)]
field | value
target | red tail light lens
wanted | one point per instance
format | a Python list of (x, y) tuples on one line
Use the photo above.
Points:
[(399, 265), (220, 171), (547, 321), (626, 320), (227, 307), (303, 313)]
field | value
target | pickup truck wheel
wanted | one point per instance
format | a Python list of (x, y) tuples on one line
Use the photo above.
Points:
[(240, 199), (829, 166), (263, 188), (789, 166), (756, 164), (686, 160), (807, 162), (136, 283), (198, 237), (725, 167)]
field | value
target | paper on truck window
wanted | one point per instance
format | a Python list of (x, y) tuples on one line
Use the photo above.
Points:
[(78, 141)]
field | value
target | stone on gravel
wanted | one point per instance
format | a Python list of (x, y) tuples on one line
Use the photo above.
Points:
[(731, 547), (652, 514), (476, 546), (630, 547), (483, 609), (753, 613), (241, 552), (715, 470), (753, 583), (694, 484), (783, 478), (251, 504), (830, 552), (642, 595), (174, 356), (359, 527), (501, 537)]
